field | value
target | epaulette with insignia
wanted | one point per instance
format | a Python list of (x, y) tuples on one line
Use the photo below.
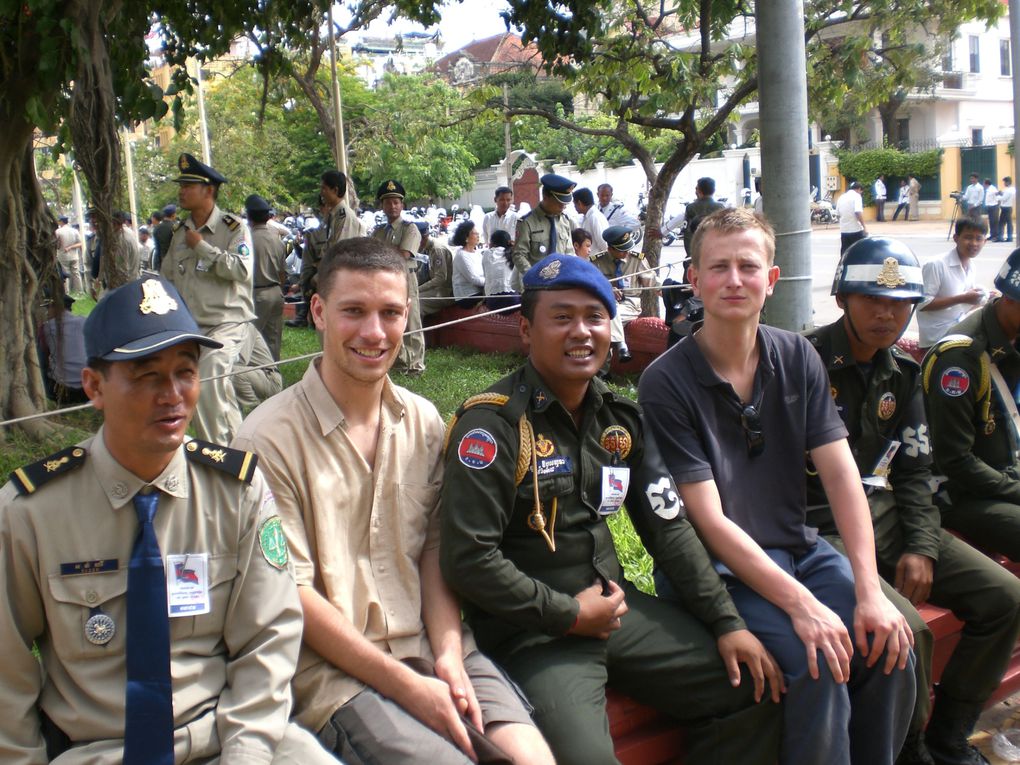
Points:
[(178, 224), (232, 222), (902, 357), (29, 478), (237, 463)]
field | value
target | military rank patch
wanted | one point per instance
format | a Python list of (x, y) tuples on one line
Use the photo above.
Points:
[(886, 406), (616, 438), (954, 382), (477, 449), (543, 446), (273, 542)]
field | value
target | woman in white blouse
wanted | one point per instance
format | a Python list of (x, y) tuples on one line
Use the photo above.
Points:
[(500, 274), (468, 272)]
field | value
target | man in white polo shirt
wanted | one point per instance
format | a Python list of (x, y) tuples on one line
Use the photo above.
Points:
[(851, 217), (949, 291)]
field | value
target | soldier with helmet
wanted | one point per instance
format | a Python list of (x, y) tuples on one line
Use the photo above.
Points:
[(877, 390), (210, 263)]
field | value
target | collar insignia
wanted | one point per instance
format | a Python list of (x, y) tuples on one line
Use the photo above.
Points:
[(998, 351), (890, 275), (155, 299), (539, 398), (837, 360)]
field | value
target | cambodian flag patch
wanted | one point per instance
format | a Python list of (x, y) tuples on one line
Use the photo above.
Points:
[(477, 449), (955, 382)]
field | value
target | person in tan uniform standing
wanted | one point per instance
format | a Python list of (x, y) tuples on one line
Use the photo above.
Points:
[(270, 272), (545, 229), (387, 672), (404, 235), (210, 263), (150, 571), (341, 222)]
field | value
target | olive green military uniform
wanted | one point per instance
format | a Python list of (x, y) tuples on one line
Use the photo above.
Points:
[(67, 529), (439, 285), (882, 408), (518, 594), (270, 262), (974, 441), (215, 280), (405, 236), (540, 234)]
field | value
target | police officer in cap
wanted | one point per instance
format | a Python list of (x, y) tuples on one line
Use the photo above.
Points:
[(969, 381), (621, 264), (877, 389), (210, 263), (435, 288), (137, 551), (535, 467), (403, 234), (270, 263), (545, 229)]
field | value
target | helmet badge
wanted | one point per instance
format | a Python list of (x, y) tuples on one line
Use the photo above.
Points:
[(890, 275)]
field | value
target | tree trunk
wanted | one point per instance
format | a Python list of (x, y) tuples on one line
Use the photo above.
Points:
[(658, 192)]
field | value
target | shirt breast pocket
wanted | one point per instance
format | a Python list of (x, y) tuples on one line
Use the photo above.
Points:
[(417, 503), (222, 573), (75, 600)]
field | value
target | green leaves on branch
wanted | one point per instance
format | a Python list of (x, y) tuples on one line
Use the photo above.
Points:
[(866, 166)]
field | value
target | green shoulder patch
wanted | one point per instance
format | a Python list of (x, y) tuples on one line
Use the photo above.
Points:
[(30, 477), (273, 542), (237, 463)]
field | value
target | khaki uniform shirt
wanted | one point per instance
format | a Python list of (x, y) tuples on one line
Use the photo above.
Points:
[(538, 235), (883, 410), (270, 256), (403, 235), (629, 284), (342, 223), (215, 278), (355, 534), (311, 256), (64, 554), (971, 432)]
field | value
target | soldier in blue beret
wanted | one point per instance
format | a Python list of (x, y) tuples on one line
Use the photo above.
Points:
[(153, 551), (545, 229), (535, 467)]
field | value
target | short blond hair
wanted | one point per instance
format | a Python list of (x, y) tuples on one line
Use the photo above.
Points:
[(731, 221)]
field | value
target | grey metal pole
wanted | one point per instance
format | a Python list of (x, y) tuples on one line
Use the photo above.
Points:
[(782, 89), (1014, 56)]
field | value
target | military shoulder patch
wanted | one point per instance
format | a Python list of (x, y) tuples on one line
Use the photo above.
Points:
[(29, 478), (232, 222), (954, 382), (477, 449), (273, 542), (237, 463)]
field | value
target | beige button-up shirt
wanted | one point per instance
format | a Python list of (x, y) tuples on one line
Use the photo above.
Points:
[(215, 278), (355, 534), (64, 554)]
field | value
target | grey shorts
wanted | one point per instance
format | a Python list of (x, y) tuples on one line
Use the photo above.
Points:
[(373, 730)]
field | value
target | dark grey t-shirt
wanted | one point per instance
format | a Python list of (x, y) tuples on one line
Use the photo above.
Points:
[(695, 417)]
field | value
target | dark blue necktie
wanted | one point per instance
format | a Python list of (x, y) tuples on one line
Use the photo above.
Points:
[(619, 269), (149, 719), (553, 240)]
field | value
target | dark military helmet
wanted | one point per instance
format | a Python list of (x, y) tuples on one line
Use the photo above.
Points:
[(879, 266), (1007, 281)]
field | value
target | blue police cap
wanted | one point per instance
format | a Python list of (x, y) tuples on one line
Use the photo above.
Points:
[(561, 272), (256, 204), (170, 210), (193, 171), (558, 187), (619, 238), (422, 226), (139, 319), (1007, 281)]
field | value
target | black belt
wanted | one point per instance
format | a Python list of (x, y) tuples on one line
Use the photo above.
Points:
[(266, 286)]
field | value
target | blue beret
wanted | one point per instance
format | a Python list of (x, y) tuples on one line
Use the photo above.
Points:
[(193, 171), (560, 272), (559, 187), (139, 319), (619, 238)]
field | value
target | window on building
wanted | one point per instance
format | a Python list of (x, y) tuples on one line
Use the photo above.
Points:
[(975, 53), (977, 137), (948, 64), (1004, 67)]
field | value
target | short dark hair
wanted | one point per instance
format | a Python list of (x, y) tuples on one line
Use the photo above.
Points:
[(502, 190), (962, 224), (460, 234), (706, 186), (259, 216), (361, 253), (1007, 179), (500, 238), (157, 215), (579, 236), (100, 365), (63, 219), (529, 299), (336, 181), (604, 186), (584, 196)]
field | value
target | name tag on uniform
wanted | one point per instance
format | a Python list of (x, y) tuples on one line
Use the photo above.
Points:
[(615, 482), (187, 584), (554, 466), (879, 478), (201, 265)]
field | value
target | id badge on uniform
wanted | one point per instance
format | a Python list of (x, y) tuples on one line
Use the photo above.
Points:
[(187, 584), (615, 481), (879, 477), (201, 265)]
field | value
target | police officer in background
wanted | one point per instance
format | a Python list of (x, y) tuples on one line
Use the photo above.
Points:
[(535, 467), (341, 222), (403, 235), (210, 263), (623, 263), (435, 285), (270, 255), (877, 389), (970, 377), (311, 255), (545, 229), (138, 550)]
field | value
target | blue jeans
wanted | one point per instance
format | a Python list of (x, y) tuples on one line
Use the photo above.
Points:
[(863, 722)]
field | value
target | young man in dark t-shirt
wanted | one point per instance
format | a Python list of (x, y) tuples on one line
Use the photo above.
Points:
[(733, 408)]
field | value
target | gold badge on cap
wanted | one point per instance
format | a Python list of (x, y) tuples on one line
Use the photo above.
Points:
[(890, 275), (550, 271), (543, 446), (183, 162), (616, 438), (886, 406), (391, 186), (155, 299)]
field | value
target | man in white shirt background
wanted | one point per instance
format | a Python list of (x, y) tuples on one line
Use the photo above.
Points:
[(974, 196), (851, 217), (592, 220), (992, 209), (880, 195), (503, 218), (949, 291), (1007, 201)]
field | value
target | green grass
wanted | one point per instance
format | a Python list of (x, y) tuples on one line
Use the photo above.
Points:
[(451, 376)]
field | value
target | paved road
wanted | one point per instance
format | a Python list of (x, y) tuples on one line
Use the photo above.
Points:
[(926, 239)]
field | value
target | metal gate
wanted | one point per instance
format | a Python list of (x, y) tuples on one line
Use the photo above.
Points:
[(977, 159)]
